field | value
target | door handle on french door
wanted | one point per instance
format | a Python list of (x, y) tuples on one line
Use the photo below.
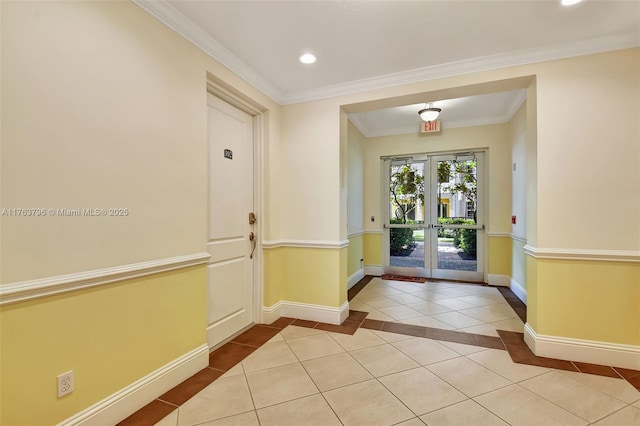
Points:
[(252, 238)]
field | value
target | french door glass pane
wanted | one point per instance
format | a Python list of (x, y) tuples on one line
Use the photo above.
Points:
[(457, 249), (406, 248), (457, 201), (406, 207), (406, 193)]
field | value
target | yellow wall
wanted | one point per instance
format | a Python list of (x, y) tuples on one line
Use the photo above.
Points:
[(355, 253), (110, 336), (274, 278), (534, 307), (589, 300), (372, 249), (316, 276), (499, 254), (102, 106)]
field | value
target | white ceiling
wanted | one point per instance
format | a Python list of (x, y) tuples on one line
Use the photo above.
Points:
[(478, 110), (362, 45)]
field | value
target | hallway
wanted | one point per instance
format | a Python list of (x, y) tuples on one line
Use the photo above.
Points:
[(470, 308), (296, 372)]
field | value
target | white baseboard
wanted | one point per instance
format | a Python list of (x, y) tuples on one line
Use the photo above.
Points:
[(130, 399), (354, 278), (375, 270), (305, 311), (603, 353), (499, 280), (518, 290), (271, 313)]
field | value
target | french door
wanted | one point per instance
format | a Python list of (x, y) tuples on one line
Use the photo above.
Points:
[(433, 216)]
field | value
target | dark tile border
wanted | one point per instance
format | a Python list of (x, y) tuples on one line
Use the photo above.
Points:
[(521, 354), (221, 360), (491, 342), (358, 286), (194, 384), (228, 355), (150, 414), (516, 304), (631, 376)]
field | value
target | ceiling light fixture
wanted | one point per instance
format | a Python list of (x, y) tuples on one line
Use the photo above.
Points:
[(570, 2), (429, 113), (307, 58)]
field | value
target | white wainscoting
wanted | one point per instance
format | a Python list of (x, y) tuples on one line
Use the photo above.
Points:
[(603, 353), (130, 399), (499, 280), (518, 290), (583, 254), (355, 277), (305, 311), (321, 244), (374, 270), (34, 289)]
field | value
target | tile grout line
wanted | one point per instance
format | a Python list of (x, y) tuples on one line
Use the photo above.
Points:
[(514, 303), (167, 402), (253, 402)]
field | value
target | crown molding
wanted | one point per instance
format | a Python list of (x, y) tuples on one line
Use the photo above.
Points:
[(170, 16), (483, 63)]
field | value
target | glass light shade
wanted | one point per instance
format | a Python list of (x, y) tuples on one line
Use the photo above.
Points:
[(429, 114)]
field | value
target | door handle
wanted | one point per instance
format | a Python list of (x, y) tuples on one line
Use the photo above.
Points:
[(252, 238)]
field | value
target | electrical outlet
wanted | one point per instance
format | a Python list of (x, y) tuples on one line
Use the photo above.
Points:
[(65, 383)]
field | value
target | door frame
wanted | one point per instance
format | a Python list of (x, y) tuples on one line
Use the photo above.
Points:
[(481, 220), (224, 91), (386, 216), (427, 271)]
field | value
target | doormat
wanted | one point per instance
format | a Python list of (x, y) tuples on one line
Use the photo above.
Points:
[(403, 278)]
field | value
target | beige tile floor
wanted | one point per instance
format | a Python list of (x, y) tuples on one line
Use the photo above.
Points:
[(450, 306), (306, 376)]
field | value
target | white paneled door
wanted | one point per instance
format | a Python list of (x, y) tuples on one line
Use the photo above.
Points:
[(231, 239)]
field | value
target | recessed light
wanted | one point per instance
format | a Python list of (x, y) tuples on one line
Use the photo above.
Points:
[(570, 2), (307, 58)]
